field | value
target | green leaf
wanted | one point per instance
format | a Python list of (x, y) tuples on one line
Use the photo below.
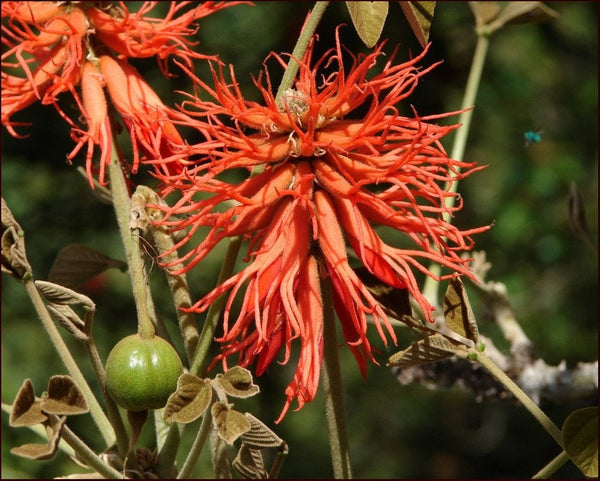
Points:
[(580, 435), (419, 16), (457, 311), (429, 349), (189, 401), (368, 19)]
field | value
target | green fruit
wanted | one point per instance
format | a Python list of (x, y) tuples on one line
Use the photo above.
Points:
[(142, 373)]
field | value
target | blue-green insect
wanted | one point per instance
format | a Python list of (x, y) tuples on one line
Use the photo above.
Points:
[(532, 137)]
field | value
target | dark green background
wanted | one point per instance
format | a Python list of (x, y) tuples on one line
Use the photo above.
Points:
[(536, 77)]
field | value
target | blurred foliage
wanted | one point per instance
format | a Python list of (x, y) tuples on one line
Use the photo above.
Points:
[(536, 78)]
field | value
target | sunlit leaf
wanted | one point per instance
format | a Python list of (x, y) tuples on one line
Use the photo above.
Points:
[(229, 423), (368, 19), (419, 16), (64, 397), (429, 349), (580, 436), (189, 401), (457, 311), (26, 410)]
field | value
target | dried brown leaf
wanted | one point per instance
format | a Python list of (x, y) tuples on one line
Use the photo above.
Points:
[(68, 319), (484, 12), (577, 217), (189, 401), (249, 463), (491, 16), (237, 382), (62, 295), (76, 264), (64, 397), (14, 258), (229, 423), (516, 13), (458, 313), (26, 408), (42, 452), (260, 436), (429, 349), (394, 301)]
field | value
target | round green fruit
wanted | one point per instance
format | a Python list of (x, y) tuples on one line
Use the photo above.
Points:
[(142, 373)]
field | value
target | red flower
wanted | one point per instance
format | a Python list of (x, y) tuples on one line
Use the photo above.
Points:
[(53, 47), (328, 178)]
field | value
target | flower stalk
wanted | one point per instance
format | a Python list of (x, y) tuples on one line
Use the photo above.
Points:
[(554, 465), (430, 287), (199, 364), (121, 203), (287, 81), (332, 387), (197, 446), (523, 398)]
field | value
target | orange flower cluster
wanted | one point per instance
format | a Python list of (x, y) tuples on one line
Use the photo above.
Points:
[(55, 47), (332, 158)]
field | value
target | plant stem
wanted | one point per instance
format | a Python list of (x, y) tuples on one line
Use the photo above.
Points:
[(121, 203), (181, 295), (113, 411), (196, 449), (87, 455), (332, 387), (96, 411), (310, 26), (527, 402), (559, 461), (167, 450), (430, 288), (214, 311)]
